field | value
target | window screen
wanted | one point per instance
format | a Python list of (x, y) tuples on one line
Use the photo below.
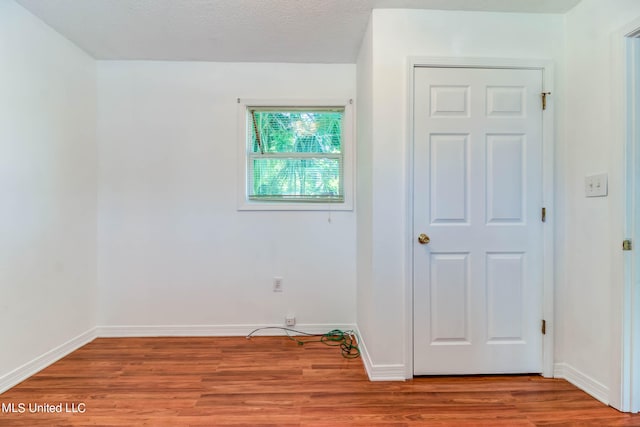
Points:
[(295, 154)]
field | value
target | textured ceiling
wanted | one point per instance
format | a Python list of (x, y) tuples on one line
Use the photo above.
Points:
[(325, 31)]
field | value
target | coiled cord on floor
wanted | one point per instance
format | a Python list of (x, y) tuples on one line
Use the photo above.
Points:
[(346, 340)]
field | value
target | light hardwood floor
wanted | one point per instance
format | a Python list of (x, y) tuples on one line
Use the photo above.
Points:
[(272, 381)]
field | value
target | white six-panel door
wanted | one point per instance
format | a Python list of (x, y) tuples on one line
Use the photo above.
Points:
[(478, 197)]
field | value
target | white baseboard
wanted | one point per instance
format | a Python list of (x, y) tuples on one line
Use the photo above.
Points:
[(39, 363), (380, 372), (582, 381), (212, 330)]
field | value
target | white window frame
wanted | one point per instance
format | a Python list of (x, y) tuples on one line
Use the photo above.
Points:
[(348, 165)]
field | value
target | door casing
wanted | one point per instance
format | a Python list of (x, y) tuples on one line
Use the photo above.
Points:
[(624, 390), (546, 66)]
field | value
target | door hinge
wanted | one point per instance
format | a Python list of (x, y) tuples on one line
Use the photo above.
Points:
[(544, 99), (626, 245), (543, 214), (543, 329)]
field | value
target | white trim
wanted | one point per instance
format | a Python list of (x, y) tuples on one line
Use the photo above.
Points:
[(625, 363), (122, 331), (379, 372), (548, 197), (473, 62), (349, 163), (39, 363), (587, 384), (548, 146), (631, 259), (408, 294)]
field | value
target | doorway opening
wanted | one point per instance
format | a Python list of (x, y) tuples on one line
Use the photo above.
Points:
[(631, 298)]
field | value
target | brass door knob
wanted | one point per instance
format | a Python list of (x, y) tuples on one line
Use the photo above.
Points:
[(423, 239)]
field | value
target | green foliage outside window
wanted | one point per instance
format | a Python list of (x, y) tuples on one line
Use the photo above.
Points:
[(295, 154)]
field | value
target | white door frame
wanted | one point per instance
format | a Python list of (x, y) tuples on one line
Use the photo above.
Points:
[(624, 393), (546, 66)]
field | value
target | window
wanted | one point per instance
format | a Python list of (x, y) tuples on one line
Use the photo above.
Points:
[(296, 156)]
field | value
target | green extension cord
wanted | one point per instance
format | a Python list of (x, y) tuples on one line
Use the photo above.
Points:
[(346, 340)]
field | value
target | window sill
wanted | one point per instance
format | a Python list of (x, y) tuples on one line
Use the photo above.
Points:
[(250, 205)]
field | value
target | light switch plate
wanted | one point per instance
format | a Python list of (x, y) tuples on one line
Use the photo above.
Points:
[(596, 185)]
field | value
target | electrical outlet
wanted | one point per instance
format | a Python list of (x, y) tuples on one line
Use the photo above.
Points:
[(277, 284), (290, 320)]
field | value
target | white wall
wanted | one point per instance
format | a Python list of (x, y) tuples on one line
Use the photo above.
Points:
[(173, 250), (47, 190), (397, 35), (595, 231), (364, 180)]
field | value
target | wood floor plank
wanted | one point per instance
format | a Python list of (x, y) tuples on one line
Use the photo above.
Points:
[(273, 381)]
